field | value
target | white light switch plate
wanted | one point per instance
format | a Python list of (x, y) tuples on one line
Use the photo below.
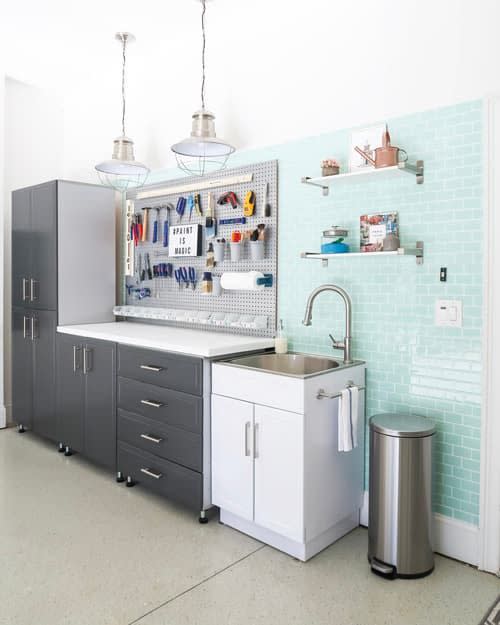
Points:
[(449, 313)]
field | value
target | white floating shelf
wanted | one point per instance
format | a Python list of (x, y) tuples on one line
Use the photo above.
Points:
[(325, 182), (417, 251)]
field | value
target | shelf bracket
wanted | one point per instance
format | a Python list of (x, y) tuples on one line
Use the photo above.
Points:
[(416, 170), (307, 179)]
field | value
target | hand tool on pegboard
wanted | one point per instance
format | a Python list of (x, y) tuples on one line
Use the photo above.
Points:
[(144, 236), (228, 198), (249, 204), (155, 225), (266, 207), (210, 222)]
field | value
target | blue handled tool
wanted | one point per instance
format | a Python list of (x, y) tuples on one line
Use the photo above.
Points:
[(168, 207), (192, 277), (181, 207), (184, 276), (155, 226), (191, 205), (178, 278)]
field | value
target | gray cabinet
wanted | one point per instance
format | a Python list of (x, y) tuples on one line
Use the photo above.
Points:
[(33, 370), (22, 368), (34, 247), (86, 397), (63, 268)]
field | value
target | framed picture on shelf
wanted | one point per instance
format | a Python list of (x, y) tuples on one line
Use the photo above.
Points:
[(374, 228), (367, 139)]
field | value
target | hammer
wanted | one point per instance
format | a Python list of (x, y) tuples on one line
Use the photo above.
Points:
[(144, 236)]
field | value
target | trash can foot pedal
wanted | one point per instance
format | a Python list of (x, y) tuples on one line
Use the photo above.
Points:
[(386, 570)]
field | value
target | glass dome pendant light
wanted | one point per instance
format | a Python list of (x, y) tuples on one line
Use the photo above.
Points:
[(123, 172), (202, 152)]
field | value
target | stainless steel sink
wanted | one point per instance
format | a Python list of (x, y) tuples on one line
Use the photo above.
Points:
[(295, 365)]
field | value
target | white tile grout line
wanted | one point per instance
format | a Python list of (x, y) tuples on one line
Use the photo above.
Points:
[(203, 581)]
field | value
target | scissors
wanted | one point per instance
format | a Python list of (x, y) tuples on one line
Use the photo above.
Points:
[(181, 207), (192, 277)]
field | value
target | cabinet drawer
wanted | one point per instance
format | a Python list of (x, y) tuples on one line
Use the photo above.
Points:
[(161, 476), (177, 372), (161, 440), (161, 404)]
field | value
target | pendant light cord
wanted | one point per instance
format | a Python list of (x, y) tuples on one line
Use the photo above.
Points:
[(123, 83), (203, 53)]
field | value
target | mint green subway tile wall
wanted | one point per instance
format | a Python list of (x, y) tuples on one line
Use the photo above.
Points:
[(412, 365)]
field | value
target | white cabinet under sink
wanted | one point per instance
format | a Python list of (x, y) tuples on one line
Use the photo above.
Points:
[(257, 464), (277, 474)]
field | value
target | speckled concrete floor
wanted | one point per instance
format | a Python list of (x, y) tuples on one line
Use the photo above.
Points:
[(78, 549)]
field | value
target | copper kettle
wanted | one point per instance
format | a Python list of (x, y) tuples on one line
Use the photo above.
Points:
[(386, 156)]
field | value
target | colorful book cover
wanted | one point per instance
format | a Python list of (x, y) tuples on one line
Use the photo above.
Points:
[(374, 228)]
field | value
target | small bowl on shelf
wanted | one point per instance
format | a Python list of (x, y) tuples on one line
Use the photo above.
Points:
[(334, 248)]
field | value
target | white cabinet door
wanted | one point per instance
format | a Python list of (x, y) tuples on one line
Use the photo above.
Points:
[(232, 455), (279, 466)]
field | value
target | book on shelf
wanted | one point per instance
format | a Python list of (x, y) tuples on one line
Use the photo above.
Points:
[(374, 228)]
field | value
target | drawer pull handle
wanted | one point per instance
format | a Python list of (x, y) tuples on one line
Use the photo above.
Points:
[(151, 473), (152, 439), (151, 368), (150, 402)]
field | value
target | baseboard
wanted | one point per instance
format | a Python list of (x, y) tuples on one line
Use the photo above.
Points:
[(3, 417), (7, 415), (452, 538)]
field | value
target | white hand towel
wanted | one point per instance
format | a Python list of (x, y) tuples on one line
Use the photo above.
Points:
[(348, 419)]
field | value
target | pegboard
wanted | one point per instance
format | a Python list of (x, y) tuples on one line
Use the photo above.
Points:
[(165, 292)]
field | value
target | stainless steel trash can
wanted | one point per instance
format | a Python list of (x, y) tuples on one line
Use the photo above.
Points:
[(400, 495)]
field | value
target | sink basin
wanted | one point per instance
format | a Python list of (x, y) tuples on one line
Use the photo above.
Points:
[(296, 365)]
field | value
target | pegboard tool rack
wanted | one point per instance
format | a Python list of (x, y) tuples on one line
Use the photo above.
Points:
[(258, 303)]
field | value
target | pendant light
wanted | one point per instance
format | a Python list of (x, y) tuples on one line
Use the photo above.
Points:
[(123, 171), (202, 152)]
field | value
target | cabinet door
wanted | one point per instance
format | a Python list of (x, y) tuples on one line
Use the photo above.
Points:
[(232, 449), (279, 471), (43, 280), (43, 331), (69, 390), (22, 368), (21, 247), (99, 366)]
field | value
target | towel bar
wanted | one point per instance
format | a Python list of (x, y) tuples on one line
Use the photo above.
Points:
[(321, 394)]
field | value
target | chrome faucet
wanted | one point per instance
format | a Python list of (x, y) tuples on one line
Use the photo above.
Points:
[(346, 344)]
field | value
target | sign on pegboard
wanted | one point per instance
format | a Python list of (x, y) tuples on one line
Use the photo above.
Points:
[(185, 240)]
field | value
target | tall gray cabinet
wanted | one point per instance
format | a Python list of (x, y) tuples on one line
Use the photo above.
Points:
[(63, 273)]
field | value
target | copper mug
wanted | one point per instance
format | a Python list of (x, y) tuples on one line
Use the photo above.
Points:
[(385, 156)]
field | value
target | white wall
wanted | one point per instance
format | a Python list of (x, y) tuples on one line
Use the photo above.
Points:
[(32, 153), (277, 70)]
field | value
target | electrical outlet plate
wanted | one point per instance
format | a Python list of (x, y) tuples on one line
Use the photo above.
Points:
[(449, 313)]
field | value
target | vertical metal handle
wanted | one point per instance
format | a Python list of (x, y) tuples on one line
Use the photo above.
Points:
[(76, 365), (86, 367), (32, 290), (247, 432), (25, 331), (255, 439), (25, 294), (34, 329)]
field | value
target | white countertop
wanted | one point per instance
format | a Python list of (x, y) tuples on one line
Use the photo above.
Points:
[(180, 340)]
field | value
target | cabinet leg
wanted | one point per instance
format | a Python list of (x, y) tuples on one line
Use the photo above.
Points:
[(130, 482), (68, 451), (60, 448), (119, 477), (203, 517), (21, 429)]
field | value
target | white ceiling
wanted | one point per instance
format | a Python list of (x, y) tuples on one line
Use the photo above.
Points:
[(277, 69)]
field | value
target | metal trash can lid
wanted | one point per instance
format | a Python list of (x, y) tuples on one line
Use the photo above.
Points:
[(402, 426)]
